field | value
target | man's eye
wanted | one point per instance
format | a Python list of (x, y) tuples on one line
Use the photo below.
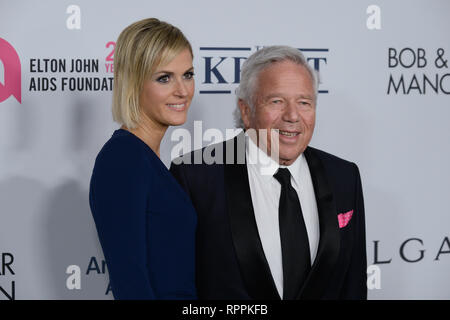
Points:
[(163, 79), (189, 75), (276, 101)]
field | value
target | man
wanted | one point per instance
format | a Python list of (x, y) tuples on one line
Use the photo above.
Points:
[(285, 221)]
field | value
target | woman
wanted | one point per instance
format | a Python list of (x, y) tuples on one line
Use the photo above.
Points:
[(145, 222)]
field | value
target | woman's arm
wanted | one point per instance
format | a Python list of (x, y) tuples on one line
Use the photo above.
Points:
[(118, 199)]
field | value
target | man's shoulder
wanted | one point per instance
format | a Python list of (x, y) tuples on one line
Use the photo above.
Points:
[(215, 154), (205, 156), (332, 161)]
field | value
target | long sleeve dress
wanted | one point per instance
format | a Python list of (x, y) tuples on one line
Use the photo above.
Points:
[(145, 222)]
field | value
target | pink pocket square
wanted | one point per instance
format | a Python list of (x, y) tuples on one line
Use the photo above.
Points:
[(344, 218)]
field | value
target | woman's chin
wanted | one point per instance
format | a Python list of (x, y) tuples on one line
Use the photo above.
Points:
[(177, 121)]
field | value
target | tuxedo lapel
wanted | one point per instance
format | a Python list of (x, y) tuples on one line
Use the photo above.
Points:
[(329, 243), (247, 243)]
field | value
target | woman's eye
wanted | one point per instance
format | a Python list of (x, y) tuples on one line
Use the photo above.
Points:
[(163, 79), (189, 75)]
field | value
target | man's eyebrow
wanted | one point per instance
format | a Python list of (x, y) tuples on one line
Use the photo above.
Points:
[(306, 96)]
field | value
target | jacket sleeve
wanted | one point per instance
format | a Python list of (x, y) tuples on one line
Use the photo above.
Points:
[(177, 171), (355, 286), (118, 200)]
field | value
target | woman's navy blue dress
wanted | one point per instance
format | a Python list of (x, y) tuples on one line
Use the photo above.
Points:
[(145, 222)]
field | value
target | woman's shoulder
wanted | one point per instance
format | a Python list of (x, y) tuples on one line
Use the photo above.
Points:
[(123, 149)]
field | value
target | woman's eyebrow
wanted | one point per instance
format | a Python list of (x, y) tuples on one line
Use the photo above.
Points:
[(171, 73)]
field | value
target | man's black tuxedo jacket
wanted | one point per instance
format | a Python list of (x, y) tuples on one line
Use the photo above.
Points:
[(230, 261)]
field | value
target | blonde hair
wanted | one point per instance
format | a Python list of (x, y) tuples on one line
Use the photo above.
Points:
[(141, 48)]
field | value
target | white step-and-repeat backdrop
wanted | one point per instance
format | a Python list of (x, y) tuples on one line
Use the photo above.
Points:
[(383, 103)]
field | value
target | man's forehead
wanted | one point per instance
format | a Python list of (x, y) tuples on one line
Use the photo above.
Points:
[(284, 73)]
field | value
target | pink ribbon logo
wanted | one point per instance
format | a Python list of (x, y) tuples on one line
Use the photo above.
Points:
[(12, 73)]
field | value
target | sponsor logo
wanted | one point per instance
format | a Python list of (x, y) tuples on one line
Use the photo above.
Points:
[(11, 85), (411, 250), (222, 66), (418, 71), (7, 288)]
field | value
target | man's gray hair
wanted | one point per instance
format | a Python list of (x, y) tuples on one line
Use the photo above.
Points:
[(260, 60)]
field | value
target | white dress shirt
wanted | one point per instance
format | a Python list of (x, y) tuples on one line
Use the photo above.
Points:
[(265, 191)]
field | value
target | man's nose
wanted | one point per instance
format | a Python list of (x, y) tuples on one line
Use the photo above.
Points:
[(291, 112)]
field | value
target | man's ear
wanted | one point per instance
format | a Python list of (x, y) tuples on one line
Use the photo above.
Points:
[(245, 113)]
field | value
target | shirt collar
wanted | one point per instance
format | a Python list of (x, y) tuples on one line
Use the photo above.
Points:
[(295, 168), (256, 157)]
